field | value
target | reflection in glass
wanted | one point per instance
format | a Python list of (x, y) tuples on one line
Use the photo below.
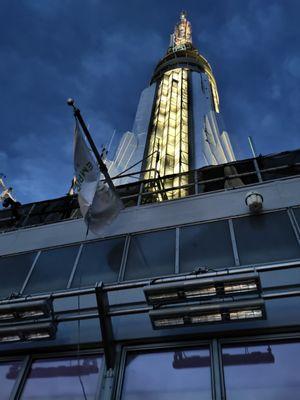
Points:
[(151, 254), (99, 261), (18, 267), (7, 379), (52, 270), (183, 360), (161, 375), (262, 372), (69, 378), (265, 238), (205, 245)]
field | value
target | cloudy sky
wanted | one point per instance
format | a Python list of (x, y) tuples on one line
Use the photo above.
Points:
[(103, 53)]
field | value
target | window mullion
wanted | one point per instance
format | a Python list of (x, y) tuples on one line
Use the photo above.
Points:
[(216, 371), (20, 381)]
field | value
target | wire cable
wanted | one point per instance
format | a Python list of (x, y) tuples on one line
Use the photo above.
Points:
[(120, 175), (78, 346)]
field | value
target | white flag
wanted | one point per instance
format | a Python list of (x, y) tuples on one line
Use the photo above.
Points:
[(99, 205)]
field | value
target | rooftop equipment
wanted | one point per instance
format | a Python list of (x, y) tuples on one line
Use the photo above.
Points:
[(26, 310), (221, 312), (202, 289), (28, 320), (28, 332), (198, 301), (254, 201)]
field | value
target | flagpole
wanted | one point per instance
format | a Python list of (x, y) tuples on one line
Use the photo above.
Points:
[(102, 166)]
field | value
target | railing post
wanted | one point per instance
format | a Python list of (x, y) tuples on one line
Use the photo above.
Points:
[(139, 202)]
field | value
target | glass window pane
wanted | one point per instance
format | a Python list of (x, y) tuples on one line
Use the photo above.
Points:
[(151, 254), (52, 270), (168, 375), (205, 245), (265, 238), (63, 378), (18, 267), (9, 372), (262, 372), (99, 261)]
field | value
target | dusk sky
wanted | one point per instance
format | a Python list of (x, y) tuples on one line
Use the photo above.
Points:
[(103, 53)]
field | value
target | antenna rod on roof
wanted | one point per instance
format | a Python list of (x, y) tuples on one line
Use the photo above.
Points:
[(111, 139), (252, 147), (255, 160)]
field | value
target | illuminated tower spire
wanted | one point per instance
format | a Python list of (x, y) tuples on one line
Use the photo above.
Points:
[(176, 128), (182, 33)]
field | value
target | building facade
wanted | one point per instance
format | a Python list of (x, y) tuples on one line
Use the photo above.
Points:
[(231, 278), (187, 294)]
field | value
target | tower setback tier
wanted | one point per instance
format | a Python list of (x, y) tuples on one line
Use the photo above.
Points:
[(177, 125)]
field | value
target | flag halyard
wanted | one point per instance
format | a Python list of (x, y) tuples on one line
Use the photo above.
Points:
[(99, 204)]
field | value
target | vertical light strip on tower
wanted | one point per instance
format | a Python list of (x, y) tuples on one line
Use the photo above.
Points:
[(169, 134)]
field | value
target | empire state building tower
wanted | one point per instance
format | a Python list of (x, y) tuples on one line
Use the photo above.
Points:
[(176, 127)]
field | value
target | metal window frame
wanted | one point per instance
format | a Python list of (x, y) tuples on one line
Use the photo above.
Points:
[(30, 268), (137, 283), (254, 339), (214, 344), (240, 339), (30, 272), (177, 250), (231, 234), (126, 253), (196, 223), (112, 385), (22, 358), (73, 271), (20, 381), (153, 347), (177, 229), (234, 243), (294, 223), (92, 313), (206, 221), (77, 243), (246, 214), (218, 370), (124, 259), (39, 252), (30, 359), (77, 259), (263, 267), (296, 208)]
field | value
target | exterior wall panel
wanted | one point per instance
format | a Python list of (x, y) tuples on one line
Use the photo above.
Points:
[(210, 206)]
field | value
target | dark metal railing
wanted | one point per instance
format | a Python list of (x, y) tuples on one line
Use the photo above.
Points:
[(145, 191)]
